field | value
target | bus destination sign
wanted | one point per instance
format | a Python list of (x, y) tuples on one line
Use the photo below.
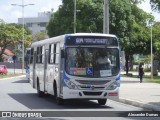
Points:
[(89, 40)]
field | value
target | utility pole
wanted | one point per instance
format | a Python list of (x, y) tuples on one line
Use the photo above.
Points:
[(74, 16), (150, 24), (22, 5), (106, 17)]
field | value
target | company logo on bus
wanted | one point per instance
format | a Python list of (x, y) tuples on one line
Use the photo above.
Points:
[(92, 87)]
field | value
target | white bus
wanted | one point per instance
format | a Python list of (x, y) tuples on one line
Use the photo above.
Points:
[(76, 66)]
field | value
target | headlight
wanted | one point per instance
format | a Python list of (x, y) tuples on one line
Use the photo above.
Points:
[(70, 84), (113, 85)]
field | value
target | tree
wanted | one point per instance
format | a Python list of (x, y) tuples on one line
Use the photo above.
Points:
[(127, 21), (89, 19), (39, 36), (10, 35), (155, 5), (136, 1), (156, 43), (138, 40)]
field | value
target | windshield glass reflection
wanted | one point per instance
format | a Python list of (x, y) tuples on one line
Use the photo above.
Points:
[(92, 62)]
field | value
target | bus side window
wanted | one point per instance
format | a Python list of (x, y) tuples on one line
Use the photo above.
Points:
[(54, 60), (51, 53), (39, 55), (42, 54), (49, 56), (57, 53), (31, 57)]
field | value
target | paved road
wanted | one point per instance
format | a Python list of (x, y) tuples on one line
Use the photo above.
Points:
[(18, 95)]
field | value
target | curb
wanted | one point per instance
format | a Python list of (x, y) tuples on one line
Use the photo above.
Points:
[(13, 77), (139, 104)]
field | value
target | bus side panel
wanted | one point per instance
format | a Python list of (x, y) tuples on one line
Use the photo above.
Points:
[(40, 75), (51, 77), (32, 71)]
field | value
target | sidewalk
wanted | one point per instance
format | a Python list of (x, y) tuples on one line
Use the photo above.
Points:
[(16, 71), (145, 95), (136, 73)]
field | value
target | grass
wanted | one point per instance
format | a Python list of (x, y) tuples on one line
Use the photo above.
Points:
[(152, 81), (9, 75), (156, 79)]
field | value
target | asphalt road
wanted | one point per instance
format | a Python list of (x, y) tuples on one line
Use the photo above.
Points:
[(18, 95)]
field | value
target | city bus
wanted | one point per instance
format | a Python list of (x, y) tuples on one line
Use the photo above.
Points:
[(67, 67)]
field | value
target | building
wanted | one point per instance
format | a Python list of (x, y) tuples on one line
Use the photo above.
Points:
[(7, 55), (36, 24)]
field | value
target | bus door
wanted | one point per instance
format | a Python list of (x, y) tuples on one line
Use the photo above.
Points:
[(45, 70), (61, 70)]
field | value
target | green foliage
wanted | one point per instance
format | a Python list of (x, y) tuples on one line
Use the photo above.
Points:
[(136, 1), (88, 19), (11, 35), (155, 5), (145, 60), (19, 26), (39, 36), (121, 19), (127, 21), (138, 40)]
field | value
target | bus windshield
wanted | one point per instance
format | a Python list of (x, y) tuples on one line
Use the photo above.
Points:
[(92, 61)]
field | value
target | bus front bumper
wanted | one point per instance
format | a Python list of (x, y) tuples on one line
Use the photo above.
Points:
[(90, 94)]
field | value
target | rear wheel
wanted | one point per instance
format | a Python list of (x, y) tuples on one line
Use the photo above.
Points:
[(39, 92), (102, 101), (59, 100)]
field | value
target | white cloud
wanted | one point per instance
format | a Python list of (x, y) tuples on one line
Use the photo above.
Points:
[(146, 7), (10, 14)]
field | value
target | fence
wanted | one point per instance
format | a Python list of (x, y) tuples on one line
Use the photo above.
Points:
[(11, 65)]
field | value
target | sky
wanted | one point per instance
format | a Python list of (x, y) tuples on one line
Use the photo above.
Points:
[(146, 7), (10, 14)]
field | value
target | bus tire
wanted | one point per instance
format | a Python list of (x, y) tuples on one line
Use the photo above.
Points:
[(59, 101), (55, 89), (39, 92), (102, 101)]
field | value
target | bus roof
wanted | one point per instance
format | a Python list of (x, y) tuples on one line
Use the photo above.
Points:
[(92, 34), (61, 37)]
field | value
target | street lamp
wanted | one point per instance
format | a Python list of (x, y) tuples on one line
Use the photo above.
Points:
[(106, 17), (74, 16), (22, 5), (75, 11), (150, 23)]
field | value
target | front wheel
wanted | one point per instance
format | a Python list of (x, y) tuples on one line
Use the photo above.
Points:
[(59, 101), (40, 93), (102, 101)]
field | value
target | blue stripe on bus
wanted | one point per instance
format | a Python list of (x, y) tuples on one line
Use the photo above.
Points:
[(118, 77), (65, 77), (66, 35)]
